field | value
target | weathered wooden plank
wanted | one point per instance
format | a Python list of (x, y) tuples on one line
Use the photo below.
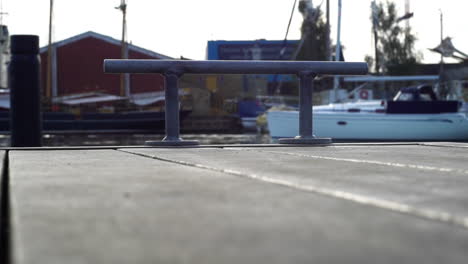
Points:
[(425, 178), (422, 155), (105, 206), (4, 210)]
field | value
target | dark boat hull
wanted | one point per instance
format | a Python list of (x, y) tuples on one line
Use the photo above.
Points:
[(98, 122)]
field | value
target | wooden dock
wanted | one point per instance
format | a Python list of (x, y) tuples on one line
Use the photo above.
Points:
[(345, 203)]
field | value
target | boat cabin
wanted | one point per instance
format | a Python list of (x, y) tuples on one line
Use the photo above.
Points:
[(420, 100)]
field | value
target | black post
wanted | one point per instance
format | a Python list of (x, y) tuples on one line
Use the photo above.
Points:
[(172, 138), (306, 136), (25, 95), (172, 107), (305, 104)]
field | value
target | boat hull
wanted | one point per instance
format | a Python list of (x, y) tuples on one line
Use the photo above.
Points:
[(98, 122), (373, 126)]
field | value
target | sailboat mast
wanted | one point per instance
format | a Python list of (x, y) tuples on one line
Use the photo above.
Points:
[(441, 34), (1, 12), (328, 32), (407, 11), (376, 37), (338, 37), (4, 48), (441, 70)]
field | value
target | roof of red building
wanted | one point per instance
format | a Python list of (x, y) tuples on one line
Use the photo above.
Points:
[(91, 34), (87, 98)]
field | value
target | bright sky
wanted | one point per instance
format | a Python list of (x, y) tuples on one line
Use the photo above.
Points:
[(183, 27)]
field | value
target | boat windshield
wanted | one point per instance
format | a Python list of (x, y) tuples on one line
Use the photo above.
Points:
[(419, 93)]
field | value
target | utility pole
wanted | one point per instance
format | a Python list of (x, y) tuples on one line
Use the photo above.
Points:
[(337, 50), (49, 53), (124, 77)]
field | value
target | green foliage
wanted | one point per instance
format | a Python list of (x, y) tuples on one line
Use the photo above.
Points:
[(314, 34), (395, 48)]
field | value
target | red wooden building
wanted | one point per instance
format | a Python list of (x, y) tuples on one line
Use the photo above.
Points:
[(77, 66)]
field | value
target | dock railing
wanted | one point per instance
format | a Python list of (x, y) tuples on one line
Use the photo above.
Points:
[(174, 69)]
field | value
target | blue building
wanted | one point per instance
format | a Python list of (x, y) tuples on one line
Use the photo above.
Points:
[(251, 49), (256, 50)]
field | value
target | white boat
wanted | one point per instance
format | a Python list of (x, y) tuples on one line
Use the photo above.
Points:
[(401, 119)]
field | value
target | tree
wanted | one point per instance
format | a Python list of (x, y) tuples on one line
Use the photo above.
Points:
[(395, 52), (313, 44)]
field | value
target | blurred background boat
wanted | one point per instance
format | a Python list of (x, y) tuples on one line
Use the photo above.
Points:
[(415, 114)]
